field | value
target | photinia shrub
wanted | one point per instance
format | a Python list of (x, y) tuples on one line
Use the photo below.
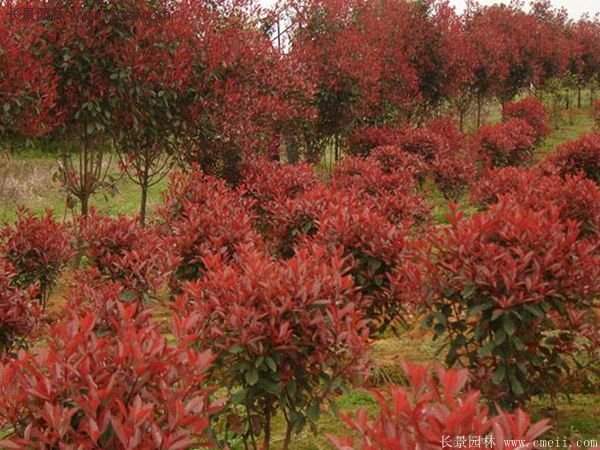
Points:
[(298, 217), (38, 248), (130, 389), (18, 311), (122, 250), (495, 182), (392, 159), (424, 143), (577, 197), (391, 192), (494, 279), (267, 181), (374, 247), (202, 216), (510, 143), (286, 335), (532, 111), (580, 155), (270, 184), (363, 140), (435, 411)]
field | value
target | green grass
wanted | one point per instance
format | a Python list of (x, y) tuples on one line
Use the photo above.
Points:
[(34, 168)]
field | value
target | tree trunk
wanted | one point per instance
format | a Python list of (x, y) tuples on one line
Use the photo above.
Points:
[(85, 201), (288, 437), (144, 185), (479, 108), (143, 204), (579, 97)]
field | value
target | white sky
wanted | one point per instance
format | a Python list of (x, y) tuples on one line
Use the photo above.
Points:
[(575, 7)]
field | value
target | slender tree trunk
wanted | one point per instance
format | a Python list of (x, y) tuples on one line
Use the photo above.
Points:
[(267, 433), (479, 108), (143, 204), (144, 187), (579, 96), (288, 437), (85, 201), (461, 120)]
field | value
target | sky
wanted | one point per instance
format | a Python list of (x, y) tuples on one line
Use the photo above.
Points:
[(575, 7)]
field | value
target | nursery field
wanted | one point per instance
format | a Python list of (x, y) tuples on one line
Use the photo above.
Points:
[(323, 225)]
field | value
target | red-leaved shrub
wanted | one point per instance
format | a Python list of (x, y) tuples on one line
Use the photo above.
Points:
[(392, 193), (495, 182), (494, 278), (435, 411), (374, 246), (581, 155), (392, 159), (286, 334), (130, 389), (577, 197), (423, 143), (442, 147), (267, 181), (298, 217), (510, 143), (269, 184), (532, 111), (38, 249), (202, 216), (18, 311), (121, 250), (363, 140)]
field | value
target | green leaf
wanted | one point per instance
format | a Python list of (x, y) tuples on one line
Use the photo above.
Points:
[(509, 325), (499, 337), (516, 385), (499, 375), (236, 349), (487, 349), (271, 364), (252, 376), (468, 292), (314, 411)]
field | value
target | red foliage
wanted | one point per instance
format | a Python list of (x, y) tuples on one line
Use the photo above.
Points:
[(202, 216), (270, 181), (392, 158), (28, 82), (434, 411), (363, 140), (576, 197), (389, 191), (38, 249), (580, 155), (125, 390), (122, 251), (496, 182), (374, 246), (532, 111), (493, 279), (506, 144), (270, 184), (276, 328), (18, 311), (443, 149)]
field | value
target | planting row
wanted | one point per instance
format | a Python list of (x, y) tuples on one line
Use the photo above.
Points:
[(274, 291)]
